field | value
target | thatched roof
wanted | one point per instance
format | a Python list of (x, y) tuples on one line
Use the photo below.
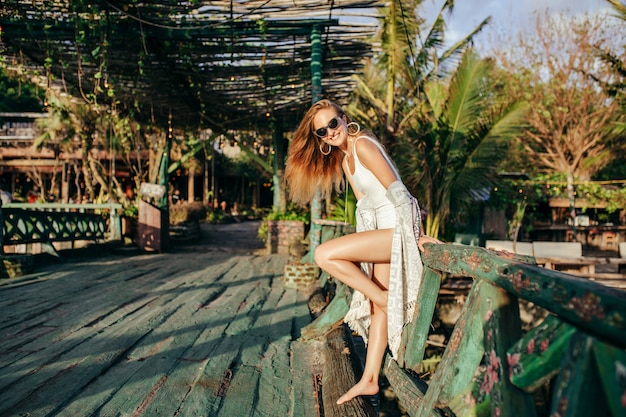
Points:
[(219, 64)]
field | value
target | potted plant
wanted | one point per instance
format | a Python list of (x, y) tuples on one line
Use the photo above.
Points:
[(129, 219), (185, 220), (279, 229)]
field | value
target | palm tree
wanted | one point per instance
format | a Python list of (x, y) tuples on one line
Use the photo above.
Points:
[(400, 95), (454, 139), (391, 84), (617, 88)]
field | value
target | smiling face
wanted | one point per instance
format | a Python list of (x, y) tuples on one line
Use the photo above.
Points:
[(330, 126)]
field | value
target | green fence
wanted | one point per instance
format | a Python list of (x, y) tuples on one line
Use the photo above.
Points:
[(490, 367), (47, 223)]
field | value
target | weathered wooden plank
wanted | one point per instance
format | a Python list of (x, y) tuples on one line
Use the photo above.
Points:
[(213, 378), (462, 356), (83, 339), (163, 399), (220, 368), (146, 352), (11, 344), (597, 309), (341, 372), (248, 310), (243, 394), (97, 299), (502, 328), (306, 373), (44, 352), (415, 334), (242, 391), (303, 315), (173, 371), (611, 365), (578, 388), (86, 310), (305, 366), (264, 359), (260, 329), (38, 296), (279, 314), (164, 335), (538, 356), (409, 388), (333, 314), (53, 306), (87, 279), (488, 391), (276, 382), (83, 361), (85, 315)]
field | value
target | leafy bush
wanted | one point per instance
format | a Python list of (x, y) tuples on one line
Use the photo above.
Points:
[(292, 213), (187, 212), (132, 211)]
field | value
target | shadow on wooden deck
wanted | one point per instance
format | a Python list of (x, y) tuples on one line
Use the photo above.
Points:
[(206, 330)]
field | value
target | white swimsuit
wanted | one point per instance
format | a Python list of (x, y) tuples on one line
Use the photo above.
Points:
[(373, 192)]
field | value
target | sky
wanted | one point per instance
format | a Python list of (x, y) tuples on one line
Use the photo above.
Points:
[(506, 15)]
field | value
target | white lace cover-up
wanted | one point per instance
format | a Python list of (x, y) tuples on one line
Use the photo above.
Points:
[(406, 268)]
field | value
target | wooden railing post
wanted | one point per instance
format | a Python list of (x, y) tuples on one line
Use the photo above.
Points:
[(415, 334), (115, 223), (1, 230), (488, 368)]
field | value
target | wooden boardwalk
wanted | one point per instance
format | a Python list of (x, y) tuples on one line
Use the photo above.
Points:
[(206, 330)]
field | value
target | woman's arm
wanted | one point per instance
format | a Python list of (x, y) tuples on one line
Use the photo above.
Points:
[(372, 158)]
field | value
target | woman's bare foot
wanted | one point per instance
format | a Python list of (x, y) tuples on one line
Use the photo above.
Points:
[(361, 388)]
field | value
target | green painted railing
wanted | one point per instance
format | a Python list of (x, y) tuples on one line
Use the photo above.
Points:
[(53, 222), (489, 367)]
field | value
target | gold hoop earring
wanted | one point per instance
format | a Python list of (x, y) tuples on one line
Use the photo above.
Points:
[(330, 148), (354, 126)]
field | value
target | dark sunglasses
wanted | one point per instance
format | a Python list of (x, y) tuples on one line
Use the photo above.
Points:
[(323, 131)]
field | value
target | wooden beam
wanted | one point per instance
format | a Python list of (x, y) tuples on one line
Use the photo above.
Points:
[(593, 307), (23, 115)]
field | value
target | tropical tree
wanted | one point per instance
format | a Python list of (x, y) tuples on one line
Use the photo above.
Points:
[(569, 115), (615, 87), (403, 87), (71, 127), (411, 54), (454, 139), (82, 131)]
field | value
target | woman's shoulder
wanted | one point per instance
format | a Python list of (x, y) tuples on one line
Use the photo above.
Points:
[(368, 146)]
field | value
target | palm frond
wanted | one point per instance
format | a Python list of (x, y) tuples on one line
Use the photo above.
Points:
[(364, 90), (467, 92), (457, 48), (486, 146), (619, 8)]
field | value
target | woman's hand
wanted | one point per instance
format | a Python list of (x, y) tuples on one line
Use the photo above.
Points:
[(426, 239)]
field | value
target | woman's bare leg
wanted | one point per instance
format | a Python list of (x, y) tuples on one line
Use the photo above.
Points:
[(376, 347), (339, 257)]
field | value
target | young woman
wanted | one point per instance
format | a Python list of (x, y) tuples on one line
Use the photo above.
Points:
[(381, 262)]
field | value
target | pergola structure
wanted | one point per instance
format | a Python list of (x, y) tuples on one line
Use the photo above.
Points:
[(224, 65)]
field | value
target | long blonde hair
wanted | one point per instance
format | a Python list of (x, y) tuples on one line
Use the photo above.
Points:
[(307, 168)]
